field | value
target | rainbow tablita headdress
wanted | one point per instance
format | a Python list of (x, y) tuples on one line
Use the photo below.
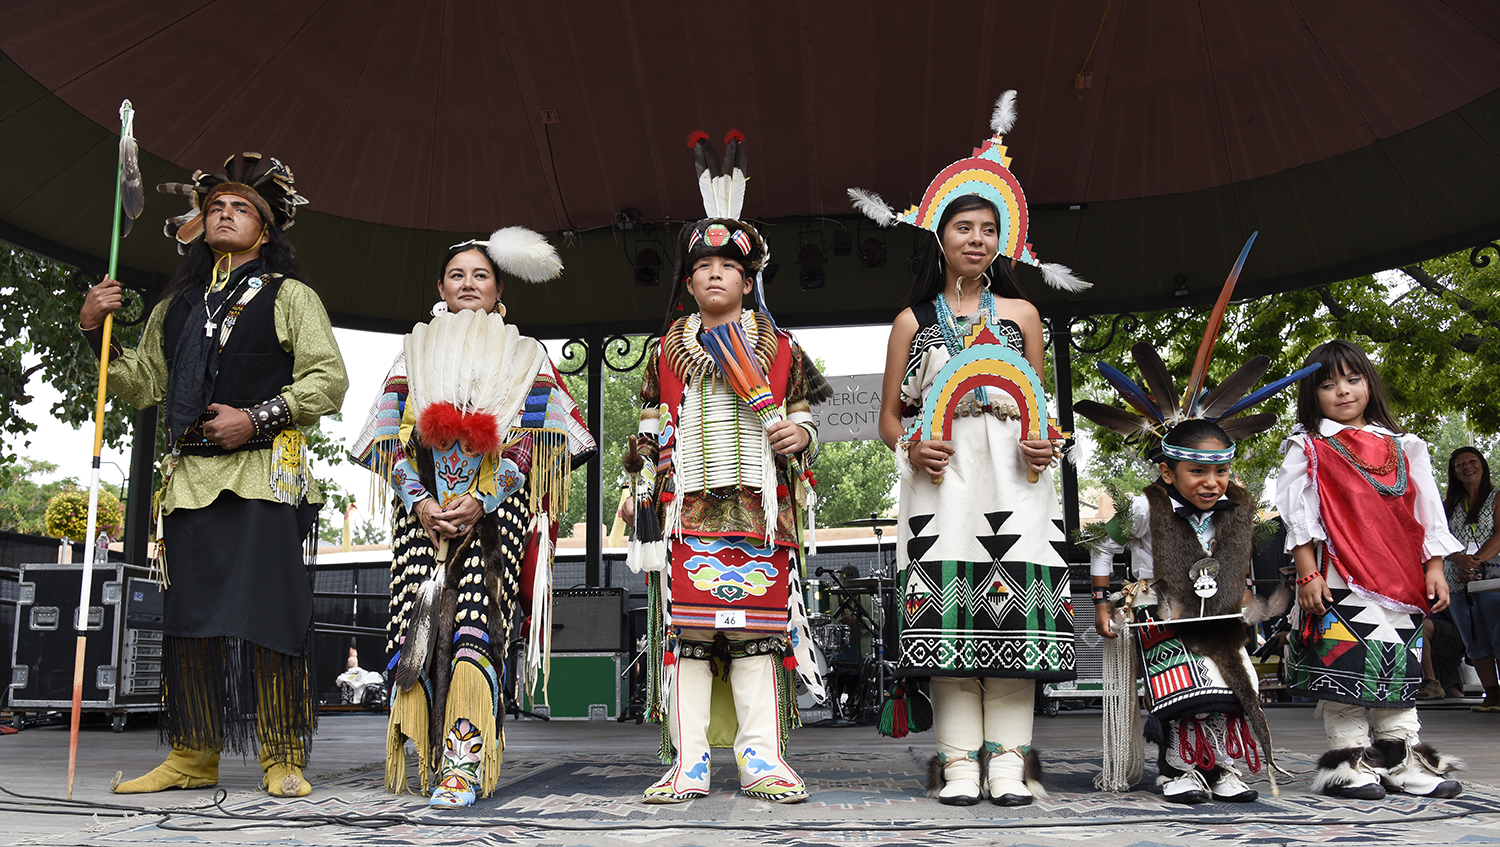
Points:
[(989, 362), (1159, 409), (986, 173)]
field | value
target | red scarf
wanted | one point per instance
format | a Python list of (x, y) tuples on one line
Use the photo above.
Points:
[(1374, 539)]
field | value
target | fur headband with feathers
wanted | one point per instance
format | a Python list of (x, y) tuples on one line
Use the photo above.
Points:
[(265, 177), (1156, 408)]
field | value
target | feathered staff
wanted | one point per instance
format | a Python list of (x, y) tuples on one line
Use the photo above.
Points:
[(731, 351), (129, 199)]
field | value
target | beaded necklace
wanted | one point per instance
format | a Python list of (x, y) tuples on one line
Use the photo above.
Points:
[(1398, 461), (952, 339), (1392, 451), (1200, 524)]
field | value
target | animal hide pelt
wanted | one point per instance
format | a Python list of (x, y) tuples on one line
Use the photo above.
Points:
[(1222, 642), (1175, 549)]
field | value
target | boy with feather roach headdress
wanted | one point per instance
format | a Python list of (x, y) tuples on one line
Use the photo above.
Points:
[(720, 471)]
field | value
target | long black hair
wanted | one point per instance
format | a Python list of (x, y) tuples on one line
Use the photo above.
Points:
[(276, 256), (931, 278), (1456, 493), (1342, 357)]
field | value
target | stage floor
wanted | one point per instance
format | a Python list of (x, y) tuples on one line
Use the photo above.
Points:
[(570, 783)]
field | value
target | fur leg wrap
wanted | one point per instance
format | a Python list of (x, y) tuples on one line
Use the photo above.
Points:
[(993, 764)]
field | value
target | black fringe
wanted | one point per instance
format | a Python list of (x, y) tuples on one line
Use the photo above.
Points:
[(229, 694)]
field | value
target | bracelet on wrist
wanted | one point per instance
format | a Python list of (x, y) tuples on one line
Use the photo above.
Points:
[(1303, 580), (1101, 596), (271, 416)]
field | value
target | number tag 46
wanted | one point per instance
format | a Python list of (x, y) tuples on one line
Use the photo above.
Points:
[(729, 619)]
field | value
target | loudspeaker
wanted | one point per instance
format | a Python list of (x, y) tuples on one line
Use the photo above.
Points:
[(588, 620)]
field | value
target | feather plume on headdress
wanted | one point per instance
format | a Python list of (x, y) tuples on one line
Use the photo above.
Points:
[(1158, 410), (524, 254), (872, 206), (1004, 116), (986, 174)]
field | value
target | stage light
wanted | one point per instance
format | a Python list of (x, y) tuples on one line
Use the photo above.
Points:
[(872, 252), (1179, 286), (810, 260), (648, 267)]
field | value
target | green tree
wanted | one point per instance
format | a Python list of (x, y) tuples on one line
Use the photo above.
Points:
[(855, 479), (622, 415), (23, 506), (39, 340), (67, 515), (1433, 331), (327, 450)]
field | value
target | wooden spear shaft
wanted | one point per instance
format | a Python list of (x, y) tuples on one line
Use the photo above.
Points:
[(86, 586)]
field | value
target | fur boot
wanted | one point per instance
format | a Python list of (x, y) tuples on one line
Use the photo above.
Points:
[(1347, 773), (1415, 769)]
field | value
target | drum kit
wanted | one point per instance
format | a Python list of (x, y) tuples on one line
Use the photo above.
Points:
[(849, 615)]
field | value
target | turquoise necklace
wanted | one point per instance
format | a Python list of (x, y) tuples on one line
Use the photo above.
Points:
[(952, 339)]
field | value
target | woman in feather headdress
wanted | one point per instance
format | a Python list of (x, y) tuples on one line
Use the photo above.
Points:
[(985, 611), (475, 435)]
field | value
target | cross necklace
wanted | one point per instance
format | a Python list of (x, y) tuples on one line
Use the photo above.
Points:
[(210, 324)]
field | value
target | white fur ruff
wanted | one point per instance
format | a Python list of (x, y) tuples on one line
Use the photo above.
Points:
[(1004, 116), (525, 254), (872, 206), (1339, 776)]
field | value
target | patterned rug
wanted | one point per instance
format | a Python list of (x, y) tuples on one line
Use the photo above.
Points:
[(862, 798)]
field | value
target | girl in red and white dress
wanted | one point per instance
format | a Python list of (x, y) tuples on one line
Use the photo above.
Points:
[(1366, 528)]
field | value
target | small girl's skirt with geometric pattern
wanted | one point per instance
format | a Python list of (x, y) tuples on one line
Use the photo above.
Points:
[(1359, 652)]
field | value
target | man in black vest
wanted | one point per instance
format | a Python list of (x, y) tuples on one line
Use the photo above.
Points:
[(239, 353)]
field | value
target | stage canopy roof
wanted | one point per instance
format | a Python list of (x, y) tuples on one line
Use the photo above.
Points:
[(1152, 137)]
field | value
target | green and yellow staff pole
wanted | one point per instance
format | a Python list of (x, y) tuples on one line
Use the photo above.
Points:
[(126, 164)]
